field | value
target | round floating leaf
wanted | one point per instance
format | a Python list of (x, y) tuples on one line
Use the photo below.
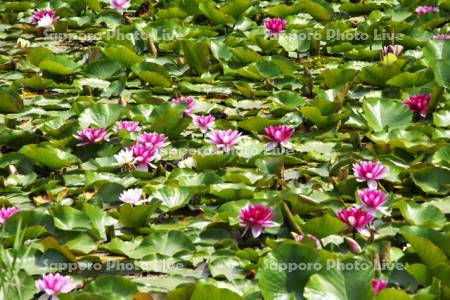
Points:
[(421, 215), (334, 77), (212, 13), (288, 100), (391, 293), (232, 191), (36, 55), (173, 198), (164, 243), (49, 156), (153, 73), (428, 252), (69, 218), (236, 8), (197, 55), (433, 180), (276, 280), (441, 118), (381, 114), (136, 216), (112, 287), (340, 285), (10, 101), (123, 55), (168, 119), (210, 292), (407, 79), (103, 69), (36, 83), (324, 226), (211, 162), (319, 9), (58, 65), (257, 124), (100, 115)]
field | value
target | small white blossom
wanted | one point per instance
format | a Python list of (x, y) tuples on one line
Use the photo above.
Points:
[(23, 43), (187, 163), (124, 157)]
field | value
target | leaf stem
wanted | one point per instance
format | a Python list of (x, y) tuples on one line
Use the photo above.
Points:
[(289, 217)]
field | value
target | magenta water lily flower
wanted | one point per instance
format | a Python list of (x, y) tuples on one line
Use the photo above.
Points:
[(421, 10), (378, 285), (441, 36), (224, 139), (120, 5), (278, 135), (274, 26), (7, 212), (419, 104), (355, 217), (204, 122), (54, 284), (152, 140), (143, 156), (256, 217), (369, 171), (44, 18), (91, 136), (130, 126), (190, 104), (372, 199)]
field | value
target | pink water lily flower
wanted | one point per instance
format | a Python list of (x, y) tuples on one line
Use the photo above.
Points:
[(378, 285), (152, 140), (441, 36), (372, 199), (190, 104), (44, 18), (143, 156), (356, 218), (256, 217), (419, 104), (278, 135), (132, 196), (394, 49), (225, 139), (369, 171), (274, 26), (91, 136), (120, 5), (54, 284), (7, 212), (130, 126), (421, 10), (204, 122)]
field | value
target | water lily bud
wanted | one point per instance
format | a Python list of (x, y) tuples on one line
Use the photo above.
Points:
[(353, 245), (315, 240), (13, 170)]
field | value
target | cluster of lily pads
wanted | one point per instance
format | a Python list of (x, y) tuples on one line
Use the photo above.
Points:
[(234, 149)]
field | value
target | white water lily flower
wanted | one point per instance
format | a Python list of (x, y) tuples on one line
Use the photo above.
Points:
[(124, 157), (187, 163), (23, 43), (45, 22)]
